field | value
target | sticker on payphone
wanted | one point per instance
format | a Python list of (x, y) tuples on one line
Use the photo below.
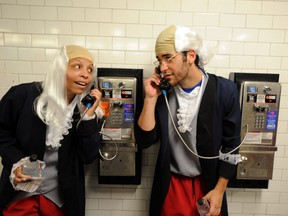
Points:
[(126, 94), (251, 89), (271, 98), (261, 98), (105, 107), (251, 98), (271, 120), (106, 85), (128, 113), (259, 138), (116, 93), (126, 133), (107, 93), (112, 133)]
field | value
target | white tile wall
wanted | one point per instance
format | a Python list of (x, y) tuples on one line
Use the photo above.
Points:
[(31, 26), (43, 13), (250, 36)]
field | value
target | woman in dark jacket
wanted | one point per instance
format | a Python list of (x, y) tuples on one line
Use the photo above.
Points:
[(43, 119)]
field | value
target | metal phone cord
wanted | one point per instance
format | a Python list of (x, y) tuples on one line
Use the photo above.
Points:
[(185, 144), (103, 156)]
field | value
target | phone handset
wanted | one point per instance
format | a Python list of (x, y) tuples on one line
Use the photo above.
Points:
[(164, 85), (88, 100)]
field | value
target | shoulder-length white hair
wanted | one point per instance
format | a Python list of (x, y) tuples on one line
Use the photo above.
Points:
[(52, 103), (187, 39)]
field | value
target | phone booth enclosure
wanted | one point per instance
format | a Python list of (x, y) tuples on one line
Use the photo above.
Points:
[(259, 96), (122, 96)]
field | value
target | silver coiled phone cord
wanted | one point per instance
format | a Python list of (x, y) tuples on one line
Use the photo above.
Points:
[(103, 156), (102, 133), (183, 141)]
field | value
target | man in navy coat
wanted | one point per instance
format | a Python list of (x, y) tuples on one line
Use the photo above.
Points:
[(203, 119)]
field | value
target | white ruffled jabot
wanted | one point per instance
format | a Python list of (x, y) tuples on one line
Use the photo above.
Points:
[(188, 107), (56, 130)]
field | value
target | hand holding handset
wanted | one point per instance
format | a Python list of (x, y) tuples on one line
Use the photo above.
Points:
[(88, 100), (164, 85)]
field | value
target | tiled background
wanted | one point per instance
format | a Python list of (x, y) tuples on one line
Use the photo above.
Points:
[(251, 36)]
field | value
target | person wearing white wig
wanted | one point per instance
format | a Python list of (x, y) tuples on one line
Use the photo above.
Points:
[(194, 120), (47, 119)]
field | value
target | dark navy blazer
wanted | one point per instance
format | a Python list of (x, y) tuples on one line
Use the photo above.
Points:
[(218, 125), (22, 133)]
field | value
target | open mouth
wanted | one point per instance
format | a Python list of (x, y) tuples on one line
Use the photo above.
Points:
[(81, 84)]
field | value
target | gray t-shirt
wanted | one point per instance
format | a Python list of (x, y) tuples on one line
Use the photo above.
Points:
[(184, 162)]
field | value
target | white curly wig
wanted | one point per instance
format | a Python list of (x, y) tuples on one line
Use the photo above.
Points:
[(181, 39), (52, 103)]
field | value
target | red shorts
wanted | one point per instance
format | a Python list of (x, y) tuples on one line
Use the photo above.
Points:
[(33, 206), (182, 196)]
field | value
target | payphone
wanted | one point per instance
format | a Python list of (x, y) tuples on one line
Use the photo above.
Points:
[(260, 111), (259, 102), (120, 161)]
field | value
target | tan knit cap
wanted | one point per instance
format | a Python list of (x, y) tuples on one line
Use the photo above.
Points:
[(74, 51), (165, 42)]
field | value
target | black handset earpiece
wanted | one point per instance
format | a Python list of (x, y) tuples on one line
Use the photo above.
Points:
[(88, 100), (164, 85)]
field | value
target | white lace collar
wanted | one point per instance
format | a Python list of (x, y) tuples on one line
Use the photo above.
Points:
[(188, 106), (56, 130)]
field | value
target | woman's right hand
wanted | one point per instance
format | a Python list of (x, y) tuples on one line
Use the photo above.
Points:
[(19, 176)]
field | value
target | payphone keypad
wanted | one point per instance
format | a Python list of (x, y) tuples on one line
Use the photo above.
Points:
[(116, 118), (259, 121)]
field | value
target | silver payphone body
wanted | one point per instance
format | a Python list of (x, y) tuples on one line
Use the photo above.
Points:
[(260, 111), (120, 156)]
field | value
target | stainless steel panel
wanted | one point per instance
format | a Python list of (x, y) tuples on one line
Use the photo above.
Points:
[(257, 165), (122, 165), (119, 97)]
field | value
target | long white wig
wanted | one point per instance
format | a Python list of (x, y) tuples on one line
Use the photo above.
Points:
[(51, 105)]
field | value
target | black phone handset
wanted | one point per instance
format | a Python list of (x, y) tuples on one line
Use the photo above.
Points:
[(88, 100), (164, 85)]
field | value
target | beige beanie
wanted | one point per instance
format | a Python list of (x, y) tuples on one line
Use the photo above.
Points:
[(74, 51), (165, 42)]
